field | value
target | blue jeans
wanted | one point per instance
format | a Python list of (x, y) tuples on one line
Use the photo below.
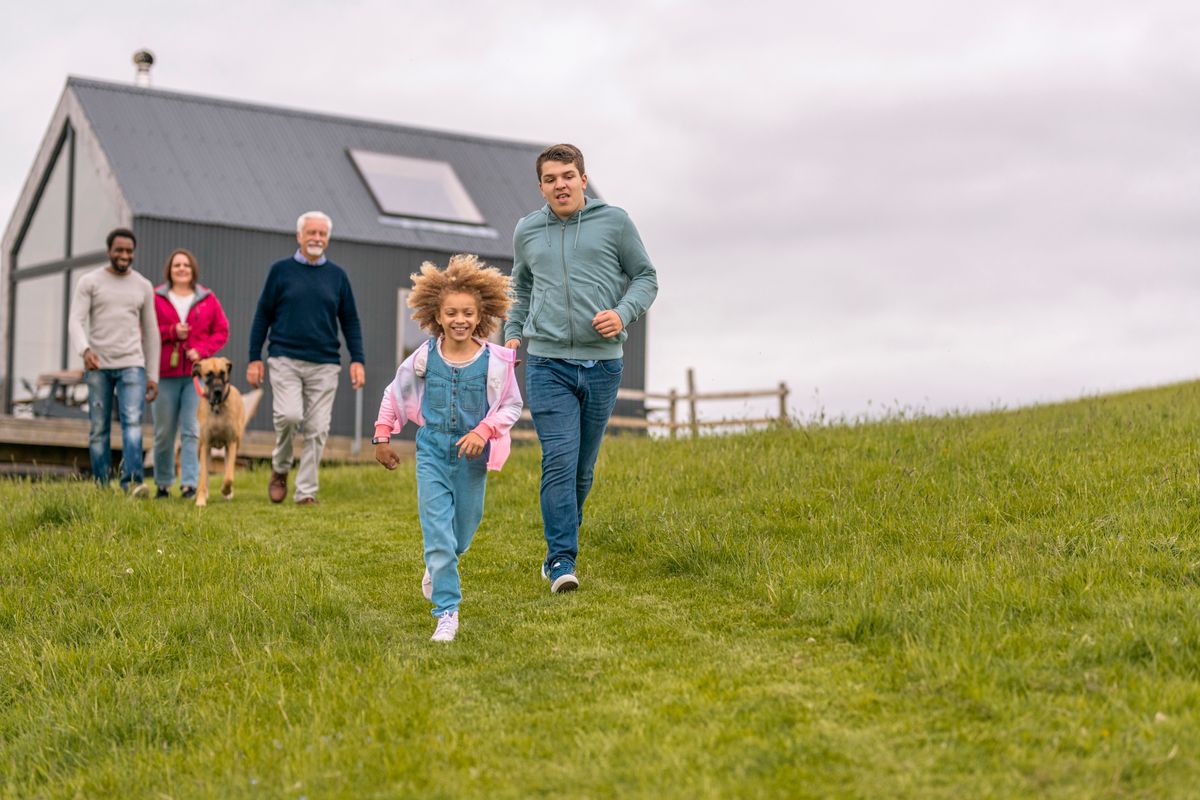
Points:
[(570, 406), (175, 409), (130, 387)]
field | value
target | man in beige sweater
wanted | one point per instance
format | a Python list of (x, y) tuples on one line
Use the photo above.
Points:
[(114, 329)]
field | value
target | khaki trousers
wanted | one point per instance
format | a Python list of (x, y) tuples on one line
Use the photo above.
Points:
[(302, 395)]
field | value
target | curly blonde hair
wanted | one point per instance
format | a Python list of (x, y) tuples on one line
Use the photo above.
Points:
[(467, 274)]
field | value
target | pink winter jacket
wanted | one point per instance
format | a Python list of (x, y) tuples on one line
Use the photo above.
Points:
[(402, 399), (208, 334)]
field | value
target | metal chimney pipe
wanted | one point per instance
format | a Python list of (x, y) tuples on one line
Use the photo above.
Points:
[(143, 60)]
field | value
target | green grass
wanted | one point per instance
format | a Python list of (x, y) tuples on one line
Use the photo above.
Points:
[(1001, 605)]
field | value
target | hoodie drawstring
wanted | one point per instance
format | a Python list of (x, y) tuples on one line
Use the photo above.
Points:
[(578, 227)]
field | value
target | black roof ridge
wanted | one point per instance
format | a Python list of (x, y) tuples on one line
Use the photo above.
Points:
[(93, 83)]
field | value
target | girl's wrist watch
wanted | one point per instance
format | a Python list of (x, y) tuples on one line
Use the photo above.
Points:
[(380, 439)]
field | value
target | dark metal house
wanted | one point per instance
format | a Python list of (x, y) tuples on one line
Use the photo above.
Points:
[(227, 180)]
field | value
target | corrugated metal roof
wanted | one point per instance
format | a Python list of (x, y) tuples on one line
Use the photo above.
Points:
[(200, 159)]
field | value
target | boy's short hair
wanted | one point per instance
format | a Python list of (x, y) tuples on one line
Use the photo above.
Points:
[(115, 232), (566, 153)]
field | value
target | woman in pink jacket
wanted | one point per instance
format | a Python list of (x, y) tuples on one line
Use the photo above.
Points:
[(193, 326)]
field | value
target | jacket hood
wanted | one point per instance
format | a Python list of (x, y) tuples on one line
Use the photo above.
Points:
[(201, 293)]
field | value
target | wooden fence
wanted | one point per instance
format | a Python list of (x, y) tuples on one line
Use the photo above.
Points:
[(673, 424)]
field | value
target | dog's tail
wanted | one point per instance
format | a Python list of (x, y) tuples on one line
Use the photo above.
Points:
[(250, 404)]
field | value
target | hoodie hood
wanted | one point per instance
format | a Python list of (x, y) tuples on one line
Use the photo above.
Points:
[(590, 206)]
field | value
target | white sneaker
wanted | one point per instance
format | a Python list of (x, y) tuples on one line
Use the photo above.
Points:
[(427, 586), (140, 492), (446, 628)]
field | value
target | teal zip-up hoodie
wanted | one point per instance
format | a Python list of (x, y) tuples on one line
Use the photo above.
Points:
[(565, 271)]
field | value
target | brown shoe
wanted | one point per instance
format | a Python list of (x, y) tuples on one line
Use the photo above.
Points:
[(277, 488), (306, 501)]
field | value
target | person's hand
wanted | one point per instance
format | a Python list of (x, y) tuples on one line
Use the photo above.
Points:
[(181, 331), (513, 344), (470, 445), (151, 391), (91, 361), (608, 323), (193, 355), (386, 455), (254, 373), (358, 375)]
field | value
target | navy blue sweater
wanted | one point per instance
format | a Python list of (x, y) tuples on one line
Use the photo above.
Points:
[(301, 305)]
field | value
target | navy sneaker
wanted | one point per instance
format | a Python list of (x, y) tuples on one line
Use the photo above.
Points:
[(162, 493), (562, 576)]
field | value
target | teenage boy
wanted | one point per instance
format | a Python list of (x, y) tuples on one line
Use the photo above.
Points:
[(114, 328), (581, 266)]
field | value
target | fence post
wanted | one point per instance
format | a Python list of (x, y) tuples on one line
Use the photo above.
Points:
[(691, 378), (356, 442), (674, 397), (783, 393)]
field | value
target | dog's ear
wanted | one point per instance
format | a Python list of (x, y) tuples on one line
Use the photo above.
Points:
[(228, 368), (196, 370)]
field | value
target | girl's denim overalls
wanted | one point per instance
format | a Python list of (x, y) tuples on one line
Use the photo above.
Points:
[(450, 489)]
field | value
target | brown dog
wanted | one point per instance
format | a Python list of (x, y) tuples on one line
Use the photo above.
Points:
[(222, 416)]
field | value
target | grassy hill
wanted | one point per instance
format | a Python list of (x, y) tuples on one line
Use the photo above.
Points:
[(1001, 605)]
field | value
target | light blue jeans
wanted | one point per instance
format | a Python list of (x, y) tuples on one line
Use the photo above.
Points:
[(175, 409), (129, 384), (570, 406)]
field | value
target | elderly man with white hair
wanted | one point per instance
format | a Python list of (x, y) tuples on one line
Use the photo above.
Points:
[(304, 301)]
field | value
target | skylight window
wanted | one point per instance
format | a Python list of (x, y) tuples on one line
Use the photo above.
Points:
[(416, 187)]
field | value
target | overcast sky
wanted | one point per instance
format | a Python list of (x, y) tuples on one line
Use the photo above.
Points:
[(932, 204)]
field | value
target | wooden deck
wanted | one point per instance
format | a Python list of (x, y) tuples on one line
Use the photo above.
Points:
[(61, 445)]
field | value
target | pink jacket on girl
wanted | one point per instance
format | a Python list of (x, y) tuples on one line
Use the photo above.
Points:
[(208, 330), (402, 399)]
